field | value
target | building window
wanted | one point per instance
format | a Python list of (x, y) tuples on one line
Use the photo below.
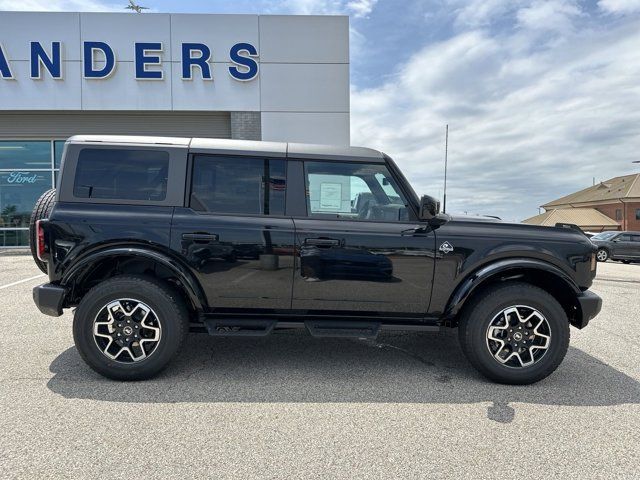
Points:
[(637, 213), (618, 215), (26, 172)]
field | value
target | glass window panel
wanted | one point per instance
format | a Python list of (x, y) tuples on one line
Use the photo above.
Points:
[(122, 174), (355, 191), (251, 186), (27, 155), (58, 148), (19, 191), (14, 238)]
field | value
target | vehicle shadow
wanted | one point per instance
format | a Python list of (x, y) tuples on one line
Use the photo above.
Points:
[(292, 366)]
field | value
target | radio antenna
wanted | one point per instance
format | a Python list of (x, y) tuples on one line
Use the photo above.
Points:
[(446, 158)]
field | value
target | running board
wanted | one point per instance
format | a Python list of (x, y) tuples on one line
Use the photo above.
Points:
[(341, 328), (239, 327)]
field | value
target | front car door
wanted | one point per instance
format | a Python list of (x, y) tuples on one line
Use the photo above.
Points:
[(622, 246), (234, 232), (360, 247)]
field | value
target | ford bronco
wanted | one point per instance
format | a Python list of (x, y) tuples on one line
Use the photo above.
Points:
[(148, 238)]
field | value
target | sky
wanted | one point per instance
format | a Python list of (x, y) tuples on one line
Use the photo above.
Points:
[(541, 97)]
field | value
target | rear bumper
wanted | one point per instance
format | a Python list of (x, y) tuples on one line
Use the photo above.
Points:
[(49, 298), (590, 306)]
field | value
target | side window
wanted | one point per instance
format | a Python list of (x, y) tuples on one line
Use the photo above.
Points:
[(618, 214), (635, 238), (121, 174), (624, 238), (241, 185), (356, 191)]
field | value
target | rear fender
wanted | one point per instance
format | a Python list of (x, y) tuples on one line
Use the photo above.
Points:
[(79, 269)]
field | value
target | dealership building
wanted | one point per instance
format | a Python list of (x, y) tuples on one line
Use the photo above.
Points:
[(277, 78)]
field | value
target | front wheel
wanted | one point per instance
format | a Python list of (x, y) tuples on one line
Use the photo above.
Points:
[(602, 255), (130, 327), (514, 333)]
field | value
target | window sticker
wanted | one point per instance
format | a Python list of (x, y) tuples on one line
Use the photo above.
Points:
[(330, 196)]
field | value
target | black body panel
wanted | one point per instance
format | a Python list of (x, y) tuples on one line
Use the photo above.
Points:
[(292, 268)]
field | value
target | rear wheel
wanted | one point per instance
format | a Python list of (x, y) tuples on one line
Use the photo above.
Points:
[(602, 255), (514, 333), (41, 210), (130, 327)]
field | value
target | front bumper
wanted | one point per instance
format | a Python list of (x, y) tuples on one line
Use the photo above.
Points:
[(590, 306), (49, 298)]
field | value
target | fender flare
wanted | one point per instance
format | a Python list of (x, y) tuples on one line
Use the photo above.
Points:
[(192, 286), (475, 279)]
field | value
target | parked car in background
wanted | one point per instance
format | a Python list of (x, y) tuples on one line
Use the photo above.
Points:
[(620, 246)]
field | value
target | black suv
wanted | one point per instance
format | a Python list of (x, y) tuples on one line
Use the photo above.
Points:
[(149, 238), (620, 246)]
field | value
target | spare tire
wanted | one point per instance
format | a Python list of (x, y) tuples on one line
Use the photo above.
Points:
[(42, 210)]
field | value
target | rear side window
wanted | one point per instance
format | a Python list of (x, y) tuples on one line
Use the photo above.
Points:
[(240, 185), (121, 174)]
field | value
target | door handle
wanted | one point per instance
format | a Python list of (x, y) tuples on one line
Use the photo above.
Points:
[(414, 231), (200, 237), (322, 242)]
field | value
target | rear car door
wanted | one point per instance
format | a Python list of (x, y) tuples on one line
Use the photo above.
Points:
[(623, 247), (360, 247), (233, 231)]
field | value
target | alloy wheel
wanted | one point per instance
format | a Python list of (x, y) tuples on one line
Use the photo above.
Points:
[(127, 330), (518, 336)]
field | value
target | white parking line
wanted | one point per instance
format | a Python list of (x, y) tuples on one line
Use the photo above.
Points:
[(21, 281)]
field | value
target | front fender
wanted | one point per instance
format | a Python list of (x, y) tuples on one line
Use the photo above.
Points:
[(475, 279), (192, 286)]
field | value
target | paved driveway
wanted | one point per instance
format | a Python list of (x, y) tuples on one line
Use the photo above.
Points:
[(291, 406)]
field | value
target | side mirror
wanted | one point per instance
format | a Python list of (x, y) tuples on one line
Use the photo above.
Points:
[(429, 207)]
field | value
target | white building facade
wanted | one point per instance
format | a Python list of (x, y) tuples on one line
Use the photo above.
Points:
[(278, 78)]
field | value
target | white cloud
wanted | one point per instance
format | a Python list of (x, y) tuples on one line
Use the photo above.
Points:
[(60, 6), (529, 121), (620, 6), (357, 8)]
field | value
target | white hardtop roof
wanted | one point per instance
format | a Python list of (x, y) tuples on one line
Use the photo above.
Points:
[(238, 147)]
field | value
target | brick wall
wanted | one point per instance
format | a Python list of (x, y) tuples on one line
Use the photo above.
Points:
[(628, 212), (246, 126)]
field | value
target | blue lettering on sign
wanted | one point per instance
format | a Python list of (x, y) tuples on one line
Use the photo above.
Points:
[(5, 70), (89, 51), (148, 55), (40, 58), (243, 54), (201, 61), (143, 59)]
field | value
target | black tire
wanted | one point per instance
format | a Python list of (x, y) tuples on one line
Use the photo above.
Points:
[(602, 255), (41, 210), (172, 316), (477, 317)]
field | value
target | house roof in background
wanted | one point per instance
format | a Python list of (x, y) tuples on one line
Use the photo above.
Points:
[(583, 217), (626, 186)]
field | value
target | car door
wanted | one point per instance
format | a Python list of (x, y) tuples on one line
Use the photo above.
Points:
[(234, 233), (623, 246), (635, 242), (360, 247)]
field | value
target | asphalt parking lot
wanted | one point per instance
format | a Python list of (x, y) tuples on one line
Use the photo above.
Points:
[(291, 406)]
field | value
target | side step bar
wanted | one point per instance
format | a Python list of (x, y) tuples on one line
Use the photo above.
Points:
[(260, 327), (339, 328), (239, 327)]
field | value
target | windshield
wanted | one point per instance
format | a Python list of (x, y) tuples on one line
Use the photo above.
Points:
[(604, 235)]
